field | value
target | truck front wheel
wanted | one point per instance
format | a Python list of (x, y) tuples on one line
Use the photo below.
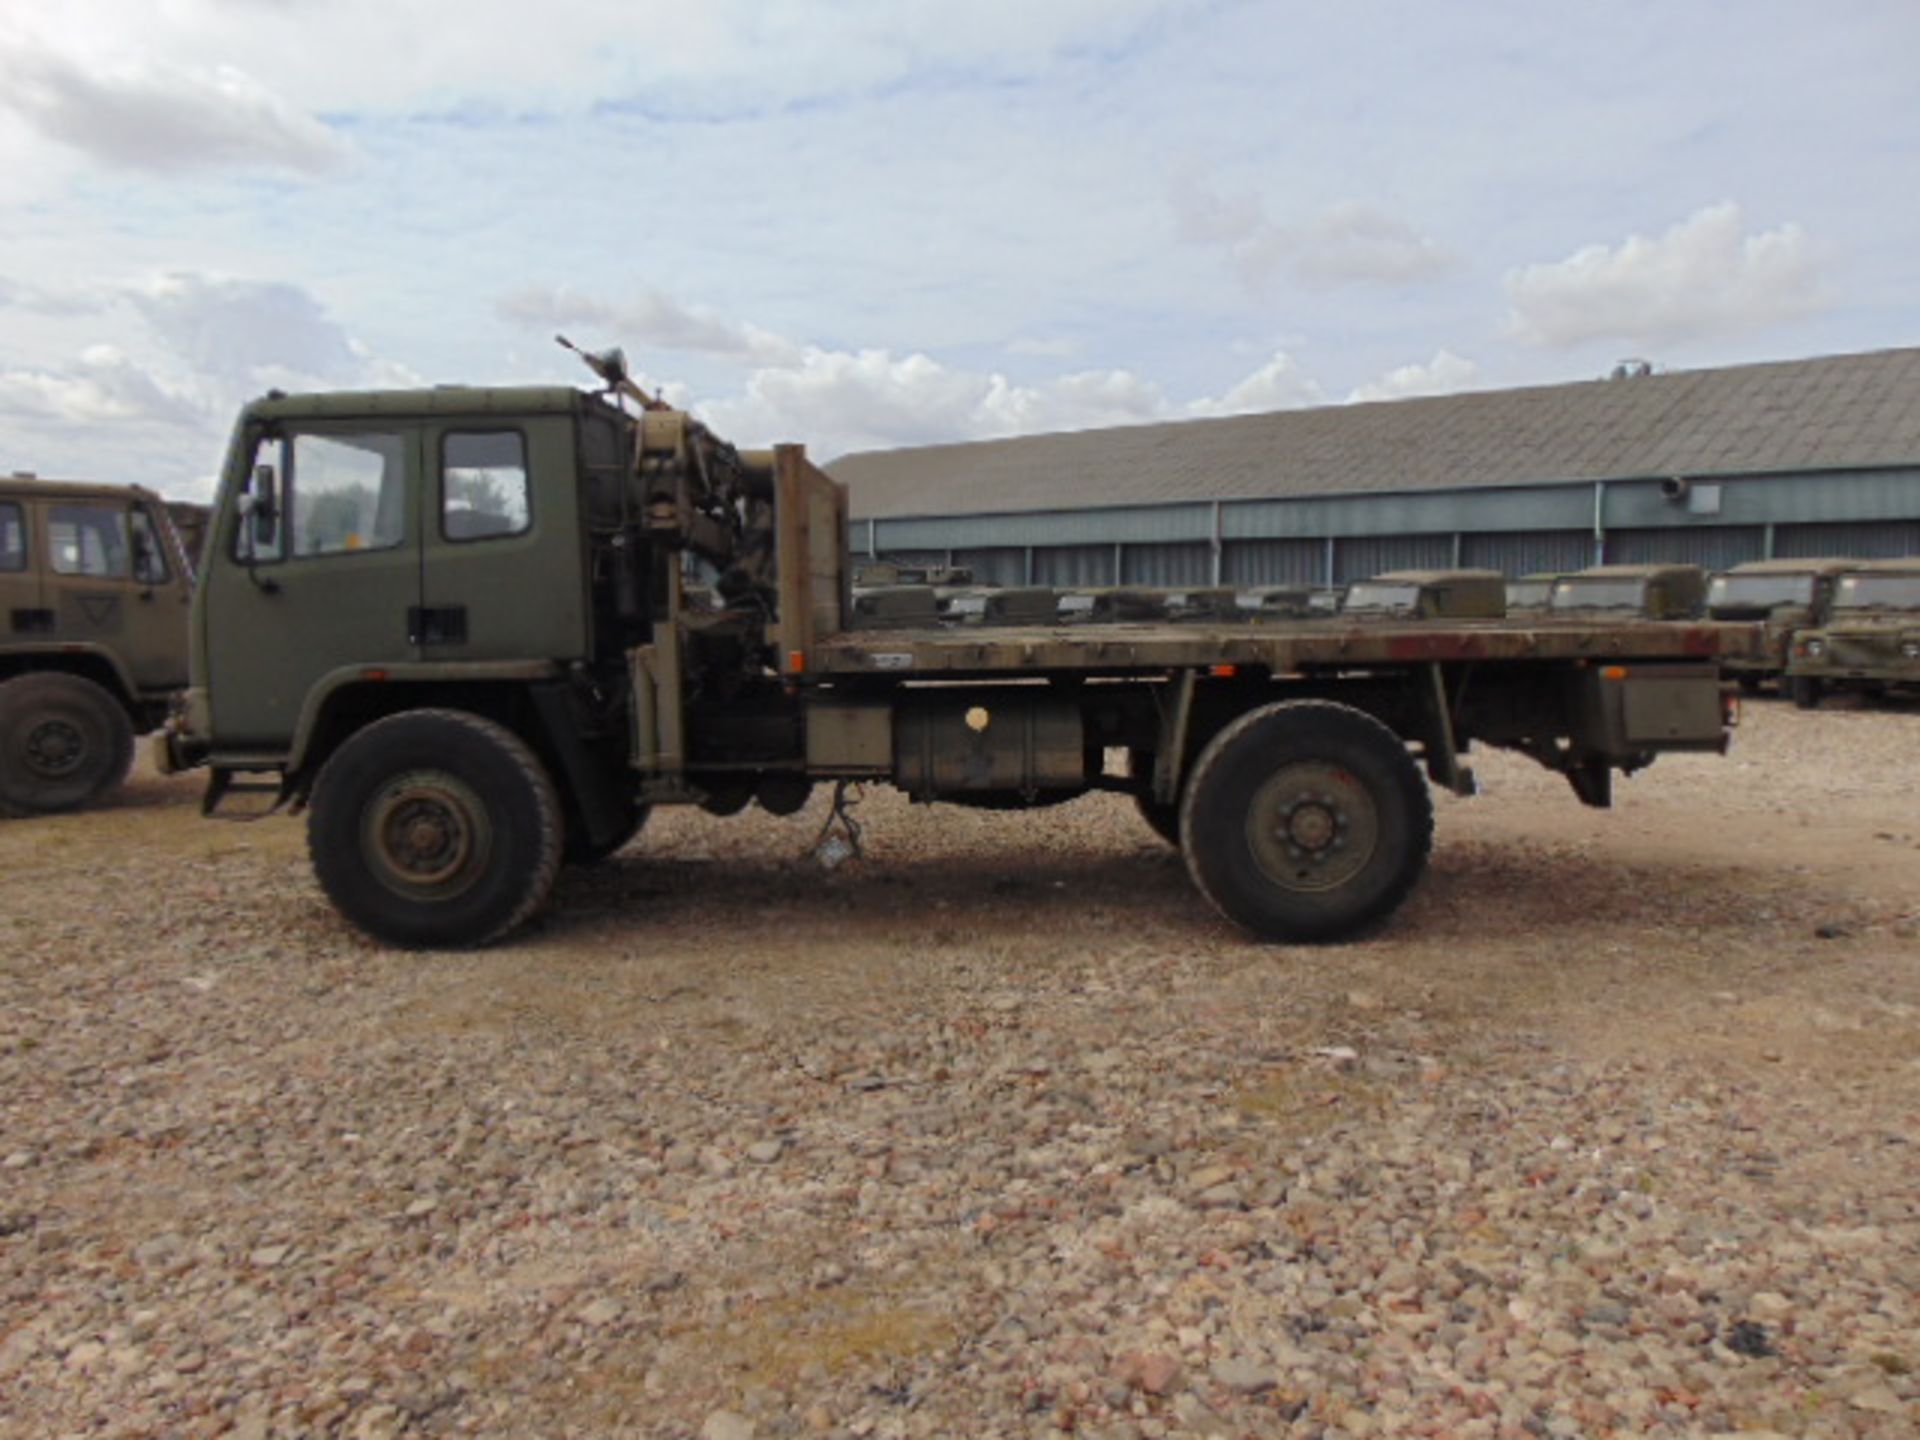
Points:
[(1306, 821), (64, 741), (435, 828)]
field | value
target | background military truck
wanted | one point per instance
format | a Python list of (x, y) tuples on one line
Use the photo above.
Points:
[(1653, 592), (1871, 639), (94, 592), (1428, 595), (453, 624), (1786, 596)]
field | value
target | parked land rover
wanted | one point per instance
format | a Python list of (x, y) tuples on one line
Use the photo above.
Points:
[(1871, 641), (1650, 592), (1787, 596), (94, 595)]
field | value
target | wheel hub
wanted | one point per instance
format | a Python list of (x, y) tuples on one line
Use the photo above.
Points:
[(1312, 826), (426, 832), (55, 749)]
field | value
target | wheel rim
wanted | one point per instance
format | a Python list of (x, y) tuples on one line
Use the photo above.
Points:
[(426, 835), (55, 749), (1312, 826)]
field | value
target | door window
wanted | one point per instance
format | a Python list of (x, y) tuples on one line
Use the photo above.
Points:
[(483, 485), (13, 537), (88, 540), (348, 493), (149, 554)]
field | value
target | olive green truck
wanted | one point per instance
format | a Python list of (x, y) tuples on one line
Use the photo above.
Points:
[(479, 632), (94, 590)]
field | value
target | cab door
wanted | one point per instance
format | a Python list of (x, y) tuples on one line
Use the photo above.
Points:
[(86, 582), (323, 576), (155, 648), (503, 576), (23, 617)]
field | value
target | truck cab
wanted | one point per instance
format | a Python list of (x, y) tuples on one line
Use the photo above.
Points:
[(1648, 592), (1785, 596), (94, 595), (1871, 639), (1428, 595)]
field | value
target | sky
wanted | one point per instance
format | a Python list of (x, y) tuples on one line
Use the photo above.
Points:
[(862, 224)]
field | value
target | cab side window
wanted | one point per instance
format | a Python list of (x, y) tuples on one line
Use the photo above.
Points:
[(13, 537), (348, 492), (89, 540), (483, 485), (149, 551)]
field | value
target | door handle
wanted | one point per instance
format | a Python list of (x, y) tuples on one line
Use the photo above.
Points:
[(437, 625)]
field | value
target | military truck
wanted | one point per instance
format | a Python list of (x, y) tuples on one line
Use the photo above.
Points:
[(1653, 592), (1786, 596), (453, 625), (1428, 595), (94, 587), (1871, 639)]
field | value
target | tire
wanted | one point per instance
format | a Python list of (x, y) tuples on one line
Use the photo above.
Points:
[(1162, 817), (1306, 821), (1806, 690), (484, 831), (1749, 683), (64, 742), (578, 850)]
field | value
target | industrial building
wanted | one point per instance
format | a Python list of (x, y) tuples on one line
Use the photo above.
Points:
[(1805, 457)]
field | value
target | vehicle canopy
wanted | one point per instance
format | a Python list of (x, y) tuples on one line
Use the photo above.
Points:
[(1659, 592), (1762, 585), (1430, 595)]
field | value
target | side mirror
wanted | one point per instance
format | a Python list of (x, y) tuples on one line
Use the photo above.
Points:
[(262, 504)]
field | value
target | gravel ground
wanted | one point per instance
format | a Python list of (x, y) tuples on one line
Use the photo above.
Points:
[(995, 1132)]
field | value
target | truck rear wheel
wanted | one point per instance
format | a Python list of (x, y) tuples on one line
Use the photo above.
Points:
[(435, 828), (1305, 821), (64, 741)]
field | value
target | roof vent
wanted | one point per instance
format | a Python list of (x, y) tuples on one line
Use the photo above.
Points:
[(25, 475)]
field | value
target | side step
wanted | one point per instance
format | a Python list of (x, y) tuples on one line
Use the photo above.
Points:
[(221, 784)]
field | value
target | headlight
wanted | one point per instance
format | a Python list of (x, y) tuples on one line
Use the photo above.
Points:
[(1910, 649), (1816, 647)]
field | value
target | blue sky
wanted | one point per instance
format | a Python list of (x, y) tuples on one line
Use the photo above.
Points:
[(860, 224)]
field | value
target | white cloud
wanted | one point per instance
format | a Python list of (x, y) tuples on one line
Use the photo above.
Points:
[(1704, 278), (248, 334), (1280, 384), (102, 387), (1445, 374), (154, 115), (649, 322), (1351, 243)]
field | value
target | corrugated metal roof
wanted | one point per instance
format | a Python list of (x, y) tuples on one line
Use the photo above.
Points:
[(1835, 412)]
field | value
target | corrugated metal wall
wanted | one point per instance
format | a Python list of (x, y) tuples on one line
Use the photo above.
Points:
[(1889, 540), (1718, 547), (1274, 562), (1073, 565), (909, 557), (1528, 552), (1355, 557), (996, 565), (1166, 565)]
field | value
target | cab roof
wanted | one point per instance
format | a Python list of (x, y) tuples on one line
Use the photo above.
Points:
[(436, 400), (1437, 577), (1819, 565), (34, 488), (1632, 572)]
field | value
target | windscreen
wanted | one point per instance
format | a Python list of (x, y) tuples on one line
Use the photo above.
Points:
[(1598, 593), (1373, 595), (1877, 592), (1760, 590), (1528, 592)]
